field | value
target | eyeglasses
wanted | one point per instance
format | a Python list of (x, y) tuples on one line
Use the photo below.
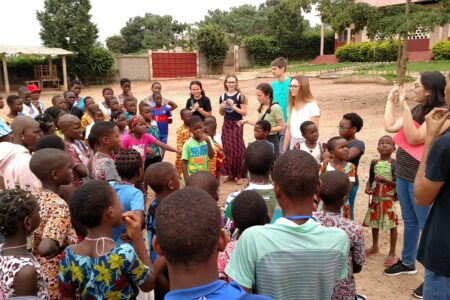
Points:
[(294, 86), (232, 82)]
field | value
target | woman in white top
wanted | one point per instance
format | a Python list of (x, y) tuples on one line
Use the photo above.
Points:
[(301, 107)]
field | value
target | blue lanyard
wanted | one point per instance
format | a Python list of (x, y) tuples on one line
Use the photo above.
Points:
[(296, 218)]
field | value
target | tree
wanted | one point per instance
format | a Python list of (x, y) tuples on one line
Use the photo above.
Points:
[(67, 24), (212, 41), (116, 43)]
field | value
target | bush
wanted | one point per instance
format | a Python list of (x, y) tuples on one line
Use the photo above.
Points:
[(441, 50), (262, 48), (368, 51), (212, 41), (21, 67), (94, 65)]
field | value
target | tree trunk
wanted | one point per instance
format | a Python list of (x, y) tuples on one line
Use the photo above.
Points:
[(402, 56)]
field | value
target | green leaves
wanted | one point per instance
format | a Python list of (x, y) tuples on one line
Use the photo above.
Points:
[(441, 50), (212, 41)]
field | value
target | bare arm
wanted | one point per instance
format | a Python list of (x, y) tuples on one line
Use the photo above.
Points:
[(242, 111), (287, 138), (172, 105), (25, 282), (353, 152), (81, 169), (49, 248), (280, 126), (184, 168), (390, 123), (166, 147), (204, 112)]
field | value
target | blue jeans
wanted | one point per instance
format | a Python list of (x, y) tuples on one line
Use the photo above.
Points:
[(351, 200), (414, 217), (436, 287)]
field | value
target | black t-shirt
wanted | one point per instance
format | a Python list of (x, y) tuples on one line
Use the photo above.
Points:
[(230, 114), (434, 247), (362, 147), (204, 103)]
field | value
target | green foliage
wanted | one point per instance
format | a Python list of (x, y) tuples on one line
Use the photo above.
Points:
[(94, 65), (67, 24), (441, 50), (21, 67), (262, 48), (212, 41), (116, 43), (368, 52)]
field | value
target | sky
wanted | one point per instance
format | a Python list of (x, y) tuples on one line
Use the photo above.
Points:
[(19, 25)]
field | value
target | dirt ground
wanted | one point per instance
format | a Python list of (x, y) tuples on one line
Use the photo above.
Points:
[(335, 99)]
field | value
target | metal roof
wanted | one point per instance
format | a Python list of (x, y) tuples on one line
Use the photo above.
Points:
[(36, 50)]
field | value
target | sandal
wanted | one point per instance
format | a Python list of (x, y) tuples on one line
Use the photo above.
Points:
[(389, 261)]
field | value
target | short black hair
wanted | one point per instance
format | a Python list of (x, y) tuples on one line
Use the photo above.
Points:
[(265, 125), (194, 120), (124, 80), (334, 188), (53, 112), (107, 89), (50, 141), (296, 173), (195, 214), (248, 209), (203, 180), (143, 105), (100, 130), (45, 122), (210, 122), (304, 125), (56, 97), (128, 100), (128, 163), (89, 201), (158, 175), (331, 144), (11, 99), (355, 119), (15, 206), (259, 158), (115, 115), (23, 90), (46, 160), (183, 111), (74, 82)]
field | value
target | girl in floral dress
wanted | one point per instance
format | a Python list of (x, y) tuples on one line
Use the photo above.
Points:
[(381, 186)]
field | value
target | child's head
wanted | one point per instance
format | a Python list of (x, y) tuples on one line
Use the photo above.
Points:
[(130, 105), (59, 102), (338, 147), (96, 203), (15, 103), (156, 87), (104, 134), (114, 104), (334, 189), (50, 141), (262, 130), (119, 119), (206, 181), (157, 97), (248, 209), (202, 236), (51, 166), (89, 103), (125, 85), (129, 164), (279, 66), (97, 114), (107, 94), (56, 113), (46, 123), (185, 115), (145, 110), (75, 87), (19, 212), (386, 145), (296, 176), (196, 127), (70, 126), (309, 131), (70, 98), (210, 126), (137, 125), (350, 124), (26, 131), (162, 178), (196, 89), (24, 94), (259, 158)]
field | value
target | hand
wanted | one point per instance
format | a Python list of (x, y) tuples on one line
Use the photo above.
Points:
[(223, 104), (178, 151), (150, 151), (196, 106), (125, 238), (204, 137), (380, 179), (394, 93), (242, 122), (434, 120), (369, 191), (133, 225), (230, 102)]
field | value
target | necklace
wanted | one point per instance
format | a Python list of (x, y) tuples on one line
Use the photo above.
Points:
[(97, 240), (15, 247)]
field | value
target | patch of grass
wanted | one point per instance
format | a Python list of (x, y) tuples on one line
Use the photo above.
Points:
[(387, 76), (414, 66), (323, 67)]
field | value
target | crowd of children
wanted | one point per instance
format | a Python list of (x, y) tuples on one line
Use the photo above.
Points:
[(80, 197)]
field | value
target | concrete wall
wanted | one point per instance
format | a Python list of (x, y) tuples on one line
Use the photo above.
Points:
[(134, 67), (243, 60)]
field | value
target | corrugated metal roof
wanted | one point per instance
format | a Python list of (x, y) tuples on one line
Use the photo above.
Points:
[(381, 3), (37, 50)]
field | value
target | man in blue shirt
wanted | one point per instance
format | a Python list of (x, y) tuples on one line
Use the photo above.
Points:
[(281, 90)]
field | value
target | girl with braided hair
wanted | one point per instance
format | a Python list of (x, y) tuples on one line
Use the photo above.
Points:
[(20, 273)]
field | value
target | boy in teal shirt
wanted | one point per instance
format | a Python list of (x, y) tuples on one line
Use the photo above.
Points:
[(281, 85)]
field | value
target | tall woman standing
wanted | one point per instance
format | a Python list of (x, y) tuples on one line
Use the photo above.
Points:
[(233, 106)]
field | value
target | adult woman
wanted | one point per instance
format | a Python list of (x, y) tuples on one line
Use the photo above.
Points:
[(429, 91), (198, 103), (233, 106), (301, 107), (270, 111)]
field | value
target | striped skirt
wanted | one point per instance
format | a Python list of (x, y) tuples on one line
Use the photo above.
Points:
[(233, 149)]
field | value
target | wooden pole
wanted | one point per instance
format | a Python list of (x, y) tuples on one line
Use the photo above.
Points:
[(322, 37), (50, 67), (5, 73), (64, 67)]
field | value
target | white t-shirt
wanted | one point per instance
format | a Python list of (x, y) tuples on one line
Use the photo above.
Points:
[(297, 117)]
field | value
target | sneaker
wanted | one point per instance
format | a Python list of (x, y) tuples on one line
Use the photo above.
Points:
[(418, 293), (399, 268)]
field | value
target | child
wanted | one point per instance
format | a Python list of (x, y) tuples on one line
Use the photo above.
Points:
[(52, 167), (381, 186), (129, 167), (59, 102), (249, 209), (28, 107), (72, 108), (20, 273), (338, 149), (192, 255), (156, 88), (216, 163), (129, 104), (206, 181), (114, 106), (197, 150), (78, 152), (104, 140), (97, 268), (46, 124), (145, 110), (75, 88), (15, 105), (139, 140), (183, 135), (125, 85), (163, 179), (162, 116), (350, 124), (35, 95), (97, 116), (88, 113), (259, 158), (56, 113), (105, 105), (294, 244), (118, 118), (333, 193), (262, 130), (311, 135)]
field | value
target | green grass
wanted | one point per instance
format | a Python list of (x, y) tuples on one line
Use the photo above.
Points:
[(414, 66), (387, 76), (313, 68)]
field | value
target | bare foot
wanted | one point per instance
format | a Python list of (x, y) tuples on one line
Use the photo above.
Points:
[(390, 260), (371, 251)]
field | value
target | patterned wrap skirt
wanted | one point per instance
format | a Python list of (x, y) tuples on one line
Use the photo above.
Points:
[(233, 149)]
